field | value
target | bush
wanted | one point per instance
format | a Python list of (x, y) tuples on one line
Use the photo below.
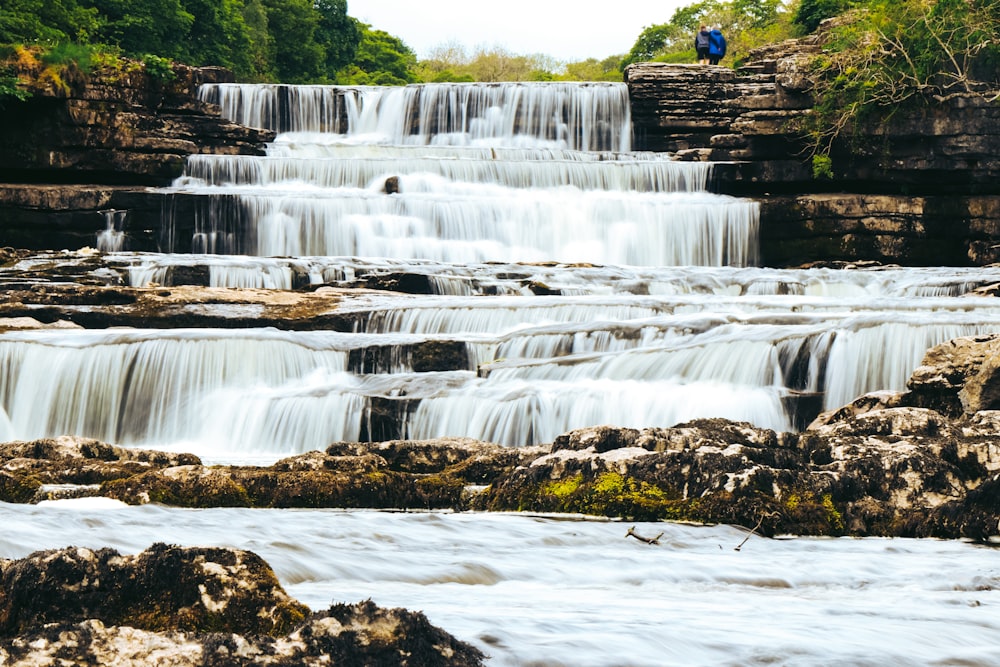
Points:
[(159, 69)]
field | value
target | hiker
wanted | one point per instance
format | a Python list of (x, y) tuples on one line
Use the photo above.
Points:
[(716, 46), (701, 44)]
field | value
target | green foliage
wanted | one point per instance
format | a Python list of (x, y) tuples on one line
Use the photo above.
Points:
[(592, 69), (146, 26), (46, 21), (218, 35), (10, 91), (69, 54), (892, 54), (822, 167), (745, 23), (653, 41), (338, 33), (297, 56), (811, 12), (160, 69), (261, 42), (381, 59)]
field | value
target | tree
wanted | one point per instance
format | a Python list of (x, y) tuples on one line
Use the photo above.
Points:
[(756, 13), (811, 12), (158, 27), (592, 69), (296, 56), (261, 43), (337, 33), (45, 21), (381, 59), (218, 36)]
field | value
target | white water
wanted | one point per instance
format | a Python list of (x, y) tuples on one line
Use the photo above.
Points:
[(654, 315), (558, 591)]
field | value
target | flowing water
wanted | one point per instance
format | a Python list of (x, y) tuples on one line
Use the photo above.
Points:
[(583, 283), (563, 591)]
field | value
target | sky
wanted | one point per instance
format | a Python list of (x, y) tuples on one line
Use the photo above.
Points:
[(567, 30)]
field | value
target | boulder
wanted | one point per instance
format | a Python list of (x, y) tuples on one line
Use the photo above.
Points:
[(163, 588), (877, 472), (71, 466), (959, 376), (199, 607)]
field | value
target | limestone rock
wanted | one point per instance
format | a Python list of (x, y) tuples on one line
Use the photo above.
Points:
[(28, 469), (198, 607), (959, 376), (163, 588), (881, 471)]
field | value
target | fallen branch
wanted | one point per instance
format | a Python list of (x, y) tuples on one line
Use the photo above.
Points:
[(648, 540), (754, 529)]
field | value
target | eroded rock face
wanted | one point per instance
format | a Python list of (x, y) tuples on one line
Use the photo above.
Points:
[(959, 377), (27, 469), (163, 588), (919, 188), (195, 606), (394, 475), (118, 126), (891, 471)]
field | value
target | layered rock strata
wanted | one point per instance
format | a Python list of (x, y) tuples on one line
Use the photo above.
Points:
[(919, 188), (72, 156)]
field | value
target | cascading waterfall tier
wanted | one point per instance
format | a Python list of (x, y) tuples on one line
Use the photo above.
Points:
[(583, 117), (456, 173)]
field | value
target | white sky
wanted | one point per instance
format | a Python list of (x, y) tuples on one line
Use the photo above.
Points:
[(567, 30)]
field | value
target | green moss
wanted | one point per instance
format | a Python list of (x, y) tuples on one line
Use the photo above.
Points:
[(612, 494), (563, 488), (440, 491), (833, 516), (808, 514), (18, 488)]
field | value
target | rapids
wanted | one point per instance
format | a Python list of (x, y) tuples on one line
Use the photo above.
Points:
[(558, 591)]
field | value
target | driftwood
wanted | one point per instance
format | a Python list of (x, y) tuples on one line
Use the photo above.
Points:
[(754, 529), (648, 540)]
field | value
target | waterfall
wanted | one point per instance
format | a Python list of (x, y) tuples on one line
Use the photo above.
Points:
[(112, 238), (584, 117), (457, 173), (531, 275)]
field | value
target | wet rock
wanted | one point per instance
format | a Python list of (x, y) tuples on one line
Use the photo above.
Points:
[(94, 307), (958, 376), (163, 588), (181, 486), (339, 482), (440, 455), (27, 467), (195, 606), (877, 472), (421, 357)]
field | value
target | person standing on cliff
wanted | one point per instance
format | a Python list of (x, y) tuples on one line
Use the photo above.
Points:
[(716, 46), (701, 44)]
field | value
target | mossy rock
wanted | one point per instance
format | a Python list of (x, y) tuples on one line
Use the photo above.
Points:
[(18, 488), (163, 588), (182, 486)]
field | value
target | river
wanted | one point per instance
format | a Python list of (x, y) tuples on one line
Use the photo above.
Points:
[(586, 284)]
